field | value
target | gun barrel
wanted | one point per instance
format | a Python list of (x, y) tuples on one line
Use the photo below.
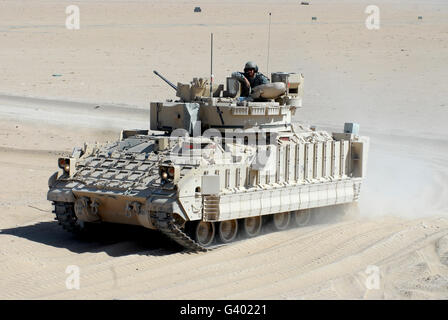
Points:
[(166, 80)]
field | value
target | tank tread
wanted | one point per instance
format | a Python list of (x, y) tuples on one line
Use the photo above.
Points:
[(165, 223), (66, 217)]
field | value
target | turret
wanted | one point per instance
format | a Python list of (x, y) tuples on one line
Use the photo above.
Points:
[(269, 107)]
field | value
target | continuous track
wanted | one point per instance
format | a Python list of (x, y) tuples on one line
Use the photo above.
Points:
[(163, 221), (166, 224)]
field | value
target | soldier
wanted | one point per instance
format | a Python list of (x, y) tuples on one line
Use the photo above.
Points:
[(250, 78)]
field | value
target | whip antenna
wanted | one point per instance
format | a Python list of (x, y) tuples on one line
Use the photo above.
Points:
[(211, 79), (211, 66), (269, 40)]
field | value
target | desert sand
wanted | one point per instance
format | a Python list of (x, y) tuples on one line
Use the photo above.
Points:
[(59, 88)]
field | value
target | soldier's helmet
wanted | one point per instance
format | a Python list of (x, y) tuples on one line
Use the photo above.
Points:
[(251, 65)]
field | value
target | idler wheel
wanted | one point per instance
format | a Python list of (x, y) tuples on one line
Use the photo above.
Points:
[(228, 230), (204, 232), (251, 226), (302, 217), (281, 220)]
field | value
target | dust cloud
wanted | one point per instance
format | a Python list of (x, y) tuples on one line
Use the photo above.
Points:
[(403, 183)]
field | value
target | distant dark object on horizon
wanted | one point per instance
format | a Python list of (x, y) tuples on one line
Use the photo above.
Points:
[(197, 9), (420, 17), (304, 3), (313, 18)]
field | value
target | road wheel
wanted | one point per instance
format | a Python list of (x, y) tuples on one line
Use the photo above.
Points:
[(251, 226), (281, 220), (302, 217), (204, 233), (228, 230)]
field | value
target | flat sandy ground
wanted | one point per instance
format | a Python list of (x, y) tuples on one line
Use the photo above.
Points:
[(392, 81)]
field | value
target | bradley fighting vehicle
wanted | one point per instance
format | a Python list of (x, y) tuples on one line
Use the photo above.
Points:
[(213, 166)]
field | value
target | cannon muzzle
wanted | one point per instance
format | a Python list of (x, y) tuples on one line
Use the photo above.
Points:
[(166, 80)]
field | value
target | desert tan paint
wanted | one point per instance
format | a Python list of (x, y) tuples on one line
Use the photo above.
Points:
[(121, 183)]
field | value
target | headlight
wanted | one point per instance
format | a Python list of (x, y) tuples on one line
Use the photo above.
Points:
[(168, 173), (64, 164), (164, 173)]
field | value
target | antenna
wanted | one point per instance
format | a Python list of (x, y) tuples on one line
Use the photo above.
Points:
[(211, 67), (211, 79), (269, 40)]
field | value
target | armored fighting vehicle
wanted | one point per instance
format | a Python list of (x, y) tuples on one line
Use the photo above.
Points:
[(213, 166)]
